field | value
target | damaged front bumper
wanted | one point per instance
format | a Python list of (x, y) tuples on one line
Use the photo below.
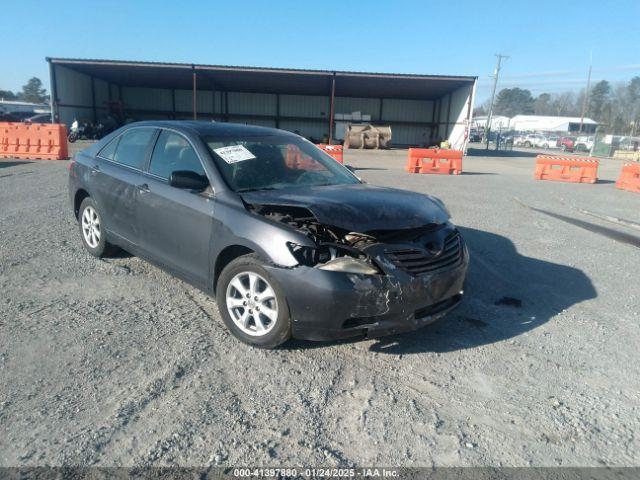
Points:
[(327, 305)]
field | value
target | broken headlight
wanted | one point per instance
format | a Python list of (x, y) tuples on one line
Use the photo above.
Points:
[(349, 265), (333, 258)]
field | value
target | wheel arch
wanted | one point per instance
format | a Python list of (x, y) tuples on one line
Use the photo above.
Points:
[(78, 198), (226, 256)]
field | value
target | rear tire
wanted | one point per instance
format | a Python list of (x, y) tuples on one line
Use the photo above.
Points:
[(92, 232), (252, 304)]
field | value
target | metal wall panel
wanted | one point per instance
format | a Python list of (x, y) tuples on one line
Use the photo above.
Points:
[(73, 88), (252, 103), (367, 106), (304, 106), (403, 135), (316, 129), (115, 92), (407, 110), (138, 98), (102, 93), (68, 114), (204, 100), (460, 110), (262, 122)]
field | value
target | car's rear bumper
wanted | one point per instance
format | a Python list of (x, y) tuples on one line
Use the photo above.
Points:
[(331, 305)]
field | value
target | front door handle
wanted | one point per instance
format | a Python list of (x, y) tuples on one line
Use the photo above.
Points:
[(144, 188)]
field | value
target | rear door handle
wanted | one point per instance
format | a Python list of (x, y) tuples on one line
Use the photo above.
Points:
[(95, 169), (144, 188)]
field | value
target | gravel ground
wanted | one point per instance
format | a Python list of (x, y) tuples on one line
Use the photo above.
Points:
[(115, 362)]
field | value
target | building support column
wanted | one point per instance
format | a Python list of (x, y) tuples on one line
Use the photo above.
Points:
[(331, 107), (195, 94), (53, 99), (173, 103), (446, 134), (277, 110), (93, 100)]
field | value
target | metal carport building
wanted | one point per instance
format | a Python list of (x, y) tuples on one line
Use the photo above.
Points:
[(419, 108)]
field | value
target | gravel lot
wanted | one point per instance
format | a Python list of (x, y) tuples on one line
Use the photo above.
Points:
[(115, 362)]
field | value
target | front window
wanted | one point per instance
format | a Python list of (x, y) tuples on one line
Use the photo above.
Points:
[(173, 152), (275, 162)]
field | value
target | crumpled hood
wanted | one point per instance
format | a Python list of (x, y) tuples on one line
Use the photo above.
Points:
[(357, 208)]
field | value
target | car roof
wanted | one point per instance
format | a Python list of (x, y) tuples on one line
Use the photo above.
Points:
[(219, 129)]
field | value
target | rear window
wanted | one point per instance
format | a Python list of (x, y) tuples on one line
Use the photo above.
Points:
[(109, 151), (132, 147)]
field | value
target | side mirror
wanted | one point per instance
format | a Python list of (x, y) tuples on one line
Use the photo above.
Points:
[(188, 180)]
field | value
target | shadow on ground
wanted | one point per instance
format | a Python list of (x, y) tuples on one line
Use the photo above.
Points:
[(507, 294), (481, 152), (8, 164)]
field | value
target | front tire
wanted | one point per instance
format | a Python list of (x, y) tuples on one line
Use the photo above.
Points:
[(252, 304), (92, 232)]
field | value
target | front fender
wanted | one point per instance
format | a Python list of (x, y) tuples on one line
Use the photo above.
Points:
[(236, 226)]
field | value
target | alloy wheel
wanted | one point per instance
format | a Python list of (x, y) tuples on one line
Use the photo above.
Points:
[(252, 303), (91, 227)]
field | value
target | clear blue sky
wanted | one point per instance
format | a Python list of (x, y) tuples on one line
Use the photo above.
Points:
[(548, 39)]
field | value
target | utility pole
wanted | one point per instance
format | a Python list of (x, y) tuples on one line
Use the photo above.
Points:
[(585, 100), (496, 74)]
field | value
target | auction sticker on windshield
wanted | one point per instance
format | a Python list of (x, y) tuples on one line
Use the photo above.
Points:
[(234, 153)]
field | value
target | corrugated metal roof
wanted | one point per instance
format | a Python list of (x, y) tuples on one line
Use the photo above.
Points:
[(267, 80)]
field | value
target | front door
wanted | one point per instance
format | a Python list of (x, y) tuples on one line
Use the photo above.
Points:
[(175, 224)]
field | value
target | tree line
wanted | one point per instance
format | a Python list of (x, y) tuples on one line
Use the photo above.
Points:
[(615, 108), (32, 92)]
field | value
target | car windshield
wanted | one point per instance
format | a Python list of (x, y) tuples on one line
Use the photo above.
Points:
[(274, 162)]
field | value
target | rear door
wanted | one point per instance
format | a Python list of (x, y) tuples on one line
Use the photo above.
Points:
[(117, 178), (176, 224)]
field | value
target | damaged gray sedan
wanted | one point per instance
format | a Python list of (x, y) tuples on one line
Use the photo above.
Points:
[(289, 241)]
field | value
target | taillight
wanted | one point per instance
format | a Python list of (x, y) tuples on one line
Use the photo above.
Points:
[(70, 164)]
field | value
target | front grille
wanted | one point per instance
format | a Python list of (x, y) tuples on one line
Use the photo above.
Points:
[(419, 262)]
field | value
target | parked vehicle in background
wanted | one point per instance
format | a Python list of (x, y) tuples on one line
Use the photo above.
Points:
[(566, 144), (529, 140), (9, 117), (86, 130), (548, 141), (475, 135), (584, 143), (538, 140), (40, 118), (80, 131), (298, 248)]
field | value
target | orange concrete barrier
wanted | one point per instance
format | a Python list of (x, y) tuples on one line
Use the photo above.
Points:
[(298, 160), (434, 160), (33, 141), (629, 177), (334, 150), (566, 169)]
